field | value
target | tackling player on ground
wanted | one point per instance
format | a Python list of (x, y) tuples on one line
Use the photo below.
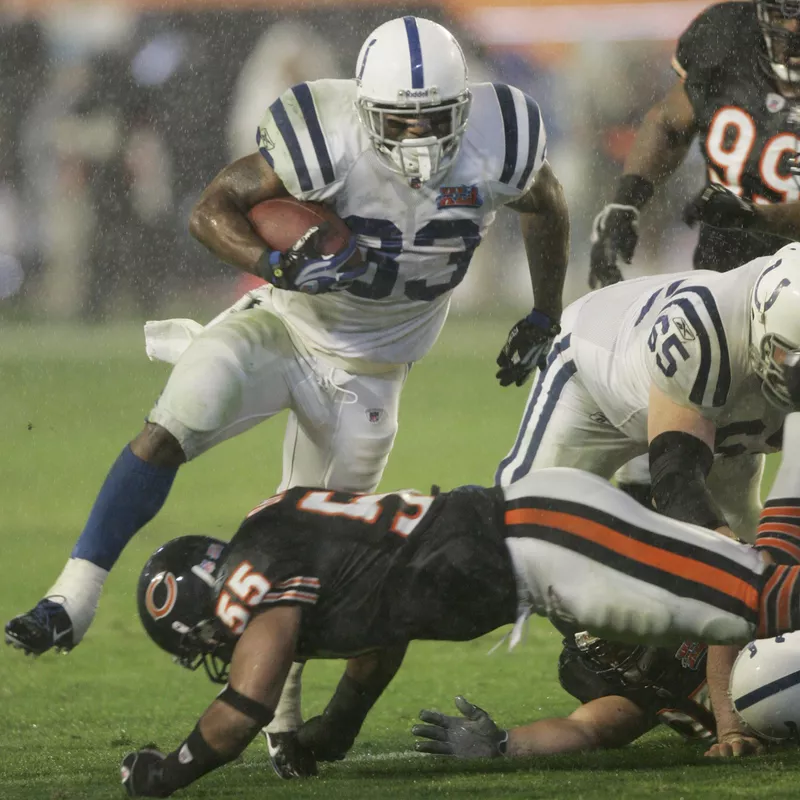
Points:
[(624, 690), (316, 573), (417, 162)]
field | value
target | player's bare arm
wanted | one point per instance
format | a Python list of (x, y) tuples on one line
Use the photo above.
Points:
[(260, 663), (219, 219), (681, 454), (607, 722), (733, 740), (664, 138), (602, 723), (330, 735), (680, 491), (544, 217), (660, 145)]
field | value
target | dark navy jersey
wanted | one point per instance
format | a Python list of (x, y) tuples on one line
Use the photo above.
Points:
[(667, 684), (371, 571), (747, 130)]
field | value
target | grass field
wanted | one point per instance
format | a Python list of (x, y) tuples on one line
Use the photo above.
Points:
[(70, 400)]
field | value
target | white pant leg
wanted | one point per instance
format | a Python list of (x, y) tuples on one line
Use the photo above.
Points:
[(637, 470), (351, 451), (235, 375), (589, 555), (562, 426)]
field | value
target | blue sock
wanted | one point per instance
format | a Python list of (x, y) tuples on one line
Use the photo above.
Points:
[(131, 496)]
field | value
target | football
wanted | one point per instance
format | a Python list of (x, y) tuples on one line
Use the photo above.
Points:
[(281, 221)]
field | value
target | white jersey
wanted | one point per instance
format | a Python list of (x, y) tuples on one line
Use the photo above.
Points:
[(687, 333), (418, 242)]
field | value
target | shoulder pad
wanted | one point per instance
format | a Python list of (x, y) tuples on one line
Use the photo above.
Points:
[(721, 32), (687, 350), (306, 134), (508, 128)]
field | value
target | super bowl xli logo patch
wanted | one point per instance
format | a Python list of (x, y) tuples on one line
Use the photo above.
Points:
[(463, 196), (691, 654)]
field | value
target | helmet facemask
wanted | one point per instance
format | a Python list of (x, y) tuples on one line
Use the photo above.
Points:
[(782, 45), (207, 645), (630, 662), (417, 159), (771, 359)]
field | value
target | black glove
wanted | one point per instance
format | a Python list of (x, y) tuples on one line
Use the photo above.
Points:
[(615, 232), (526, 348), (473, 735), (141, 773), (719, 207), (326, 741), (304, 268)]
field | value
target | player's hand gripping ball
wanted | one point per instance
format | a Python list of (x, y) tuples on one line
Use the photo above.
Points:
[(311, 249)]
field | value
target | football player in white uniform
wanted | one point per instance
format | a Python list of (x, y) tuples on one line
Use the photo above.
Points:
[(417, 162), (687, 368)]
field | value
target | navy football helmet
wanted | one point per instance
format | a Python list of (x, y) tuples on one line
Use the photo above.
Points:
[(778, 22), (176, 596)]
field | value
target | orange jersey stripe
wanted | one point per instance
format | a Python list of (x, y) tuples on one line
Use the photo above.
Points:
[(785, 601), (778, 527), (764, 628), (291, 582), (678, 565), (768, 543), (781, 511), (291, 594)]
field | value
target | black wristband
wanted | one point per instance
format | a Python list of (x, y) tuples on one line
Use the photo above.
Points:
[(269, 268), (259, 713), (633, 190), (193, 759)]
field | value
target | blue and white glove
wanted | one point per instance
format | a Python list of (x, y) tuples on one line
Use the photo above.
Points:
[(474, 734), (304, 268), (526, 348)]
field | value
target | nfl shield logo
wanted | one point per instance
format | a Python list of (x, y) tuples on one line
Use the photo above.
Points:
[(374, 415)]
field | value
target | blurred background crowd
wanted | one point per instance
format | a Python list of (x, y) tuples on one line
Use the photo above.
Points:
[(114, 116)]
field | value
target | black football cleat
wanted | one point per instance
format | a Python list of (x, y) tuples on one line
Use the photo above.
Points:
[(288, 757), (47, 625)]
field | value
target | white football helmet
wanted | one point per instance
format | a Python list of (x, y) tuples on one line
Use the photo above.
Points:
[(413, 69), (775, 324), (765, 686)]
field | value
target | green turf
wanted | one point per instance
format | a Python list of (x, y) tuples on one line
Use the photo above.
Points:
[(70, 399)]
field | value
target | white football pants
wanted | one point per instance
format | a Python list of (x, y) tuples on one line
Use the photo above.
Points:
[(588, 555), (247, 369)]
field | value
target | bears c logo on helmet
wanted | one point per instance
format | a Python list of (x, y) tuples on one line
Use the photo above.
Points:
[(161, 595)]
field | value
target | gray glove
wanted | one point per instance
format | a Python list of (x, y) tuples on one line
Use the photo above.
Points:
[(473, 735)]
